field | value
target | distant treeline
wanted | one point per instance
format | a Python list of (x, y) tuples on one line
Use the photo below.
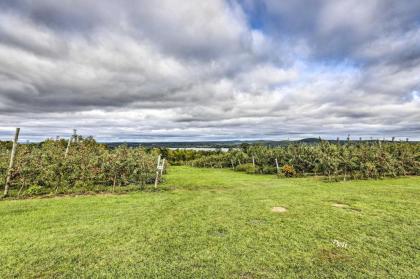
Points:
[(334, 159), (236, 143)]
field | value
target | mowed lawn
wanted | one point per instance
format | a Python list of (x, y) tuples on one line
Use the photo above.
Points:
[(211, 223)]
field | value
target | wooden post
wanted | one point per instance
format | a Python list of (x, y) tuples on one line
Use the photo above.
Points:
[(157, 172), (11, 163), (277, 165), (161, 167), (68, 147), (72, 138), (253, 161), (233, 166)]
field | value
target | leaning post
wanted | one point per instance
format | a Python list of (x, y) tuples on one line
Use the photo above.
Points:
[(11, 163), (277, 165), (157, 171), (162, 167), (68, 146)]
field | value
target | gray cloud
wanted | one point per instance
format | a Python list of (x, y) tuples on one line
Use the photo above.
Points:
[(141, 70)]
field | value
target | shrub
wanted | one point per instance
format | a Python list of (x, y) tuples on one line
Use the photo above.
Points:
[(268, 170), (33, 190), (350, 160), (87, 165), (288, 170), (248, 168), (370, 170)]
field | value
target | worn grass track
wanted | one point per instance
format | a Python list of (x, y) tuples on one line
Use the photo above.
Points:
[(213, 223)]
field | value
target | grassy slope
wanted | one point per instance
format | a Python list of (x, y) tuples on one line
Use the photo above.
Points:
[(217, 223)]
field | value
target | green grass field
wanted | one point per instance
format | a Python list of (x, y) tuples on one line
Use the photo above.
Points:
[(211, 223)]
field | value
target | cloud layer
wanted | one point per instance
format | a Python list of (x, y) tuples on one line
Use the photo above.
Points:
[(204, 70)]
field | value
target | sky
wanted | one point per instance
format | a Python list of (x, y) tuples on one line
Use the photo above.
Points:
[(171, 70)]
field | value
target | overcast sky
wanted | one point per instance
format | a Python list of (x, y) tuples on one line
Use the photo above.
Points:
[(172, 70)]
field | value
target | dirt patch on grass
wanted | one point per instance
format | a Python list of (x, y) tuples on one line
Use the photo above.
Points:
[(332, 255), (218, 232), (278, 209), (246, 275), (340, 205)]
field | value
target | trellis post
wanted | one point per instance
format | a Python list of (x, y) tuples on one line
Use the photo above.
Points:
[(68, 147), (162, 167), (157, 171)]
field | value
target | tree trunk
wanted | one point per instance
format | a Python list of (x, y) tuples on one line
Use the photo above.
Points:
[(21, 188), (114, 183)]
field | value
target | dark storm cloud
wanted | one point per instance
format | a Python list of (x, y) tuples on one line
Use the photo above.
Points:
[(144, 70), (78, 16), (337, 29)]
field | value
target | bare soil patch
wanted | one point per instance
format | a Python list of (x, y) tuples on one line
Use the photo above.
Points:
[(278, 209), (340, 205)]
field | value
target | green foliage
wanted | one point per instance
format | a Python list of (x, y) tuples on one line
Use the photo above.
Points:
[(33, 190), (248, 168), (183, 156), (361, 160), (288, 170), (87, 165), (267, 169)]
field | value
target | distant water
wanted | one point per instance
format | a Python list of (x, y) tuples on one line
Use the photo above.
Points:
[(223, 149)]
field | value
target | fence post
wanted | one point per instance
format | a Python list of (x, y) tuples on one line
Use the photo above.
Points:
[(11, 163), (67, 148), (163, 165), (253, 161), (277, 165)]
